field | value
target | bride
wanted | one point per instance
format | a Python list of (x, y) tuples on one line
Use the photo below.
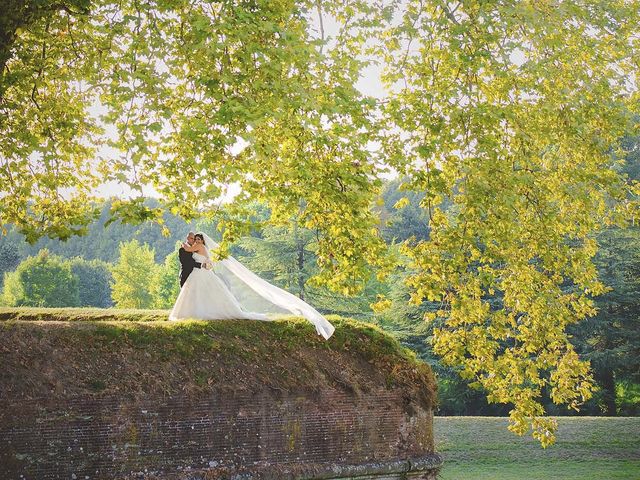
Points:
[(228, 290)]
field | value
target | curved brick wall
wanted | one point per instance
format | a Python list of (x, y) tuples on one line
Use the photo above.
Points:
[(116, 409)]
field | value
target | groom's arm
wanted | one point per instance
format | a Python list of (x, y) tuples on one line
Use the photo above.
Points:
[(184, 256)]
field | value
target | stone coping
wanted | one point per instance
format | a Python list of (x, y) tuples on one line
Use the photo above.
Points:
[(422, 467)]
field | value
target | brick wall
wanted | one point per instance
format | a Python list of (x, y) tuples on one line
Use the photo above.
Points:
[(219, 436)]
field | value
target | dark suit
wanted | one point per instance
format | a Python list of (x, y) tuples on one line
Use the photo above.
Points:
[(187, 264)]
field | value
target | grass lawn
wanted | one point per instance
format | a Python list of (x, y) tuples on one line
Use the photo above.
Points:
[(481, 448)]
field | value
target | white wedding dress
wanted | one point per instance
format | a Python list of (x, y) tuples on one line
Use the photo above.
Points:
[(206, 297), (231, 291)]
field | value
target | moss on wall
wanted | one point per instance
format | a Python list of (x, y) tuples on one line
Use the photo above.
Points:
[(59, 353)]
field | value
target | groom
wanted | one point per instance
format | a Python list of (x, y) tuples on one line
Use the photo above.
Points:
[(187, 263)]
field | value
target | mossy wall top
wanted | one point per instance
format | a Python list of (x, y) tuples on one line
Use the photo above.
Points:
[(61, 353)]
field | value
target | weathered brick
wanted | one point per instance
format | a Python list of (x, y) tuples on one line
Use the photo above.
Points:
[(111, 437)]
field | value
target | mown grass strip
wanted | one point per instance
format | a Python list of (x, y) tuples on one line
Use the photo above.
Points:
[(587, 448)]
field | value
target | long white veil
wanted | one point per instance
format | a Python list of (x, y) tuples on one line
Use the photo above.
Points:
[(257, 295)]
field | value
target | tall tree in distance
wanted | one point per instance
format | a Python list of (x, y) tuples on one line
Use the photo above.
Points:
[(286, 255), (42, 281), (611, 338), (401, 215), (101, 241), (133, 276), (166, 284), (9, 257), (283, 255), (94, 282)]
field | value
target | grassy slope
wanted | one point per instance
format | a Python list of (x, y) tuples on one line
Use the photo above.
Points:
[(81, 314), (66, 352), (481, 448)]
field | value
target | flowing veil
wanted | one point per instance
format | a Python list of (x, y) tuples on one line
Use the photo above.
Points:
[(257, 295)]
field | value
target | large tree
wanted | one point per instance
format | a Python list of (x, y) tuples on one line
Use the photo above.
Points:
[(508, 110), (511, 110), (186, 85), (133, 276), (42, 281)]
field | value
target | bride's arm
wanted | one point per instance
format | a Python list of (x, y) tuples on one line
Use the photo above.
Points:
[(192, 248)]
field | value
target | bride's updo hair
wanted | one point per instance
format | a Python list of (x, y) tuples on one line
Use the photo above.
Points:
[(201, 237)]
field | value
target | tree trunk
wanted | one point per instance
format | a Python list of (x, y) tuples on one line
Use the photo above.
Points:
[(22, 13), (9, 22), (300, 248), (605, 379)]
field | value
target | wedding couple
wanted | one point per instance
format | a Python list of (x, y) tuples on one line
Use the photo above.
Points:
[(226, 289)]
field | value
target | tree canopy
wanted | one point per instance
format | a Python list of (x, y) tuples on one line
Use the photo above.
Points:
[(508, 112), (43, 280)]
